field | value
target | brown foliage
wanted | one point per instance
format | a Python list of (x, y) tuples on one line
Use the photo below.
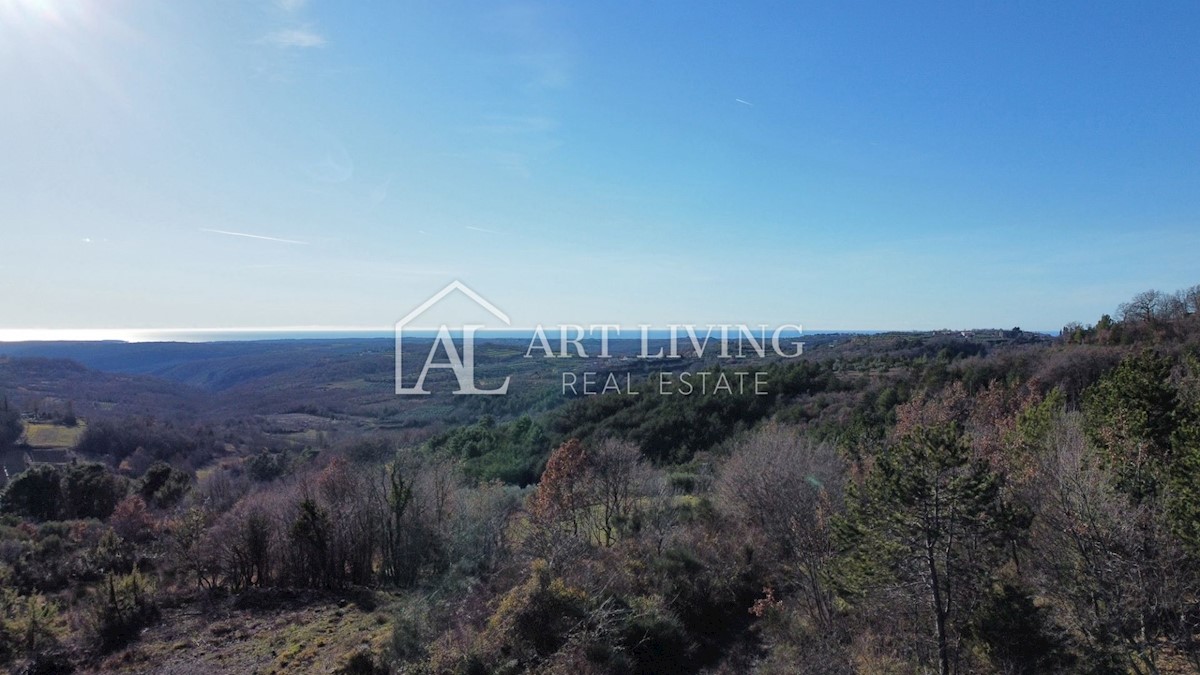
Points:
[(131, 521), (559, 493)]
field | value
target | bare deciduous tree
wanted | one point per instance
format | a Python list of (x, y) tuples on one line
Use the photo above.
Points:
[(617, 478), (1117, 579), (1142, 308), (786, 486)]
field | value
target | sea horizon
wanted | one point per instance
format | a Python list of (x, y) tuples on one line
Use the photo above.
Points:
[(208, 335)]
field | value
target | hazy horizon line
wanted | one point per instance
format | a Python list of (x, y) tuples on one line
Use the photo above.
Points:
[(251, 334)]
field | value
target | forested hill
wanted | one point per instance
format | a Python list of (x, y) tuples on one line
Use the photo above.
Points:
[(210, 365), (953, 502)]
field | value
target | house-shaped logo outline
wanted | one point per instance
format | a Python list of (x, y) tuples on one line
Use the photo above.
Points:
[(453, 286)]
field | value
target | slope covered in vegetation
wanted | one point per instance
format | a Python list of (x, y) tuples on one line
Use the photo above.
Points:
[(897, 503)]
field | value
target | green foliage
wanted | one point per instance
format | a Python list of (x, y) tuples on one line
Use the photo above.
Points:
[(113, 554), (672, 428), (409, 637), (10, 424), (928, 518), (37, 493), (710, 597), (1132, 415), (162, 486), (926, 489), (1183, 478), (310, 534), (511, 452), (1145, 417), (1005, 544), (1183, 471), (47, 492), (1017, 635), (534, 619), (1035, 423), (267, 466), (91, 491), (115, 441), (68, 418), (398, 563), (28, 626), (119, 610), (655, 640), (250, 551)]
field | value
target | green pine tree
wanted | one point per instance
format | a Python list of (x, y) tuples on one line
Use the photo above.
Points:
[(928, 519)]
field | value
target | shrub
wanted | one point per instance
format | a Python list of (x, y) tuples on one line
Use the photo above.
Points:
[(360, 662), (534, 619), (116, 615), (163, 486), (36, 494)]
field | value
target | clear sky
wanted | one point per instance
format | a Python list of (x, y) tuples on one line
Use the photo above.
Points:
[(840, 165)]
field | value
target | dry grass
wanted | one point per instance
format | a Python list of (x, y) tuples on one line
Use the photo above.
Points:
[(312, 639), (39, 435)]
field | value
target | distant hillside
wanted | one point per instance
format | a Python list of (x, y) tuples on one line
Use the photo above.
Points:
[(211, 365), (345, 376), (95, 393)]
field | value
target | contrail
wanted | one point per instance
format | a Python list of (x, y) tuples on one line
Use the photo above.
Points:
[(482, 229), (254, 236), (744, 102)]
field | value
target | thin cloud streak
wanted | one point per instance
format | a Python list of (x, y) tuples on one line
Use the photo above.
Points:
[(482, 229), (299, 38), (254, 236), (744, 102)]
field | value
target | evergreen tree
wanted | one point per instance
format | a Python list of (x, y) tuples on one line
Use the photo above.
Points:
[(36, 493), (928, 519), (10, 424), (1132, 414)]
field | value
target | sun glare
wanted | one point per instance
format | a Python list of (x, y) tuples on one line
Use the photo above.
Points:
[(44, 23), (37, 11), (40, 19)]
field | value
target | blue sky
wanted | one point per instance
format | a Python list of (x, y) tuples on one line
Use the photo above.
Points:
[(841, 165)]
